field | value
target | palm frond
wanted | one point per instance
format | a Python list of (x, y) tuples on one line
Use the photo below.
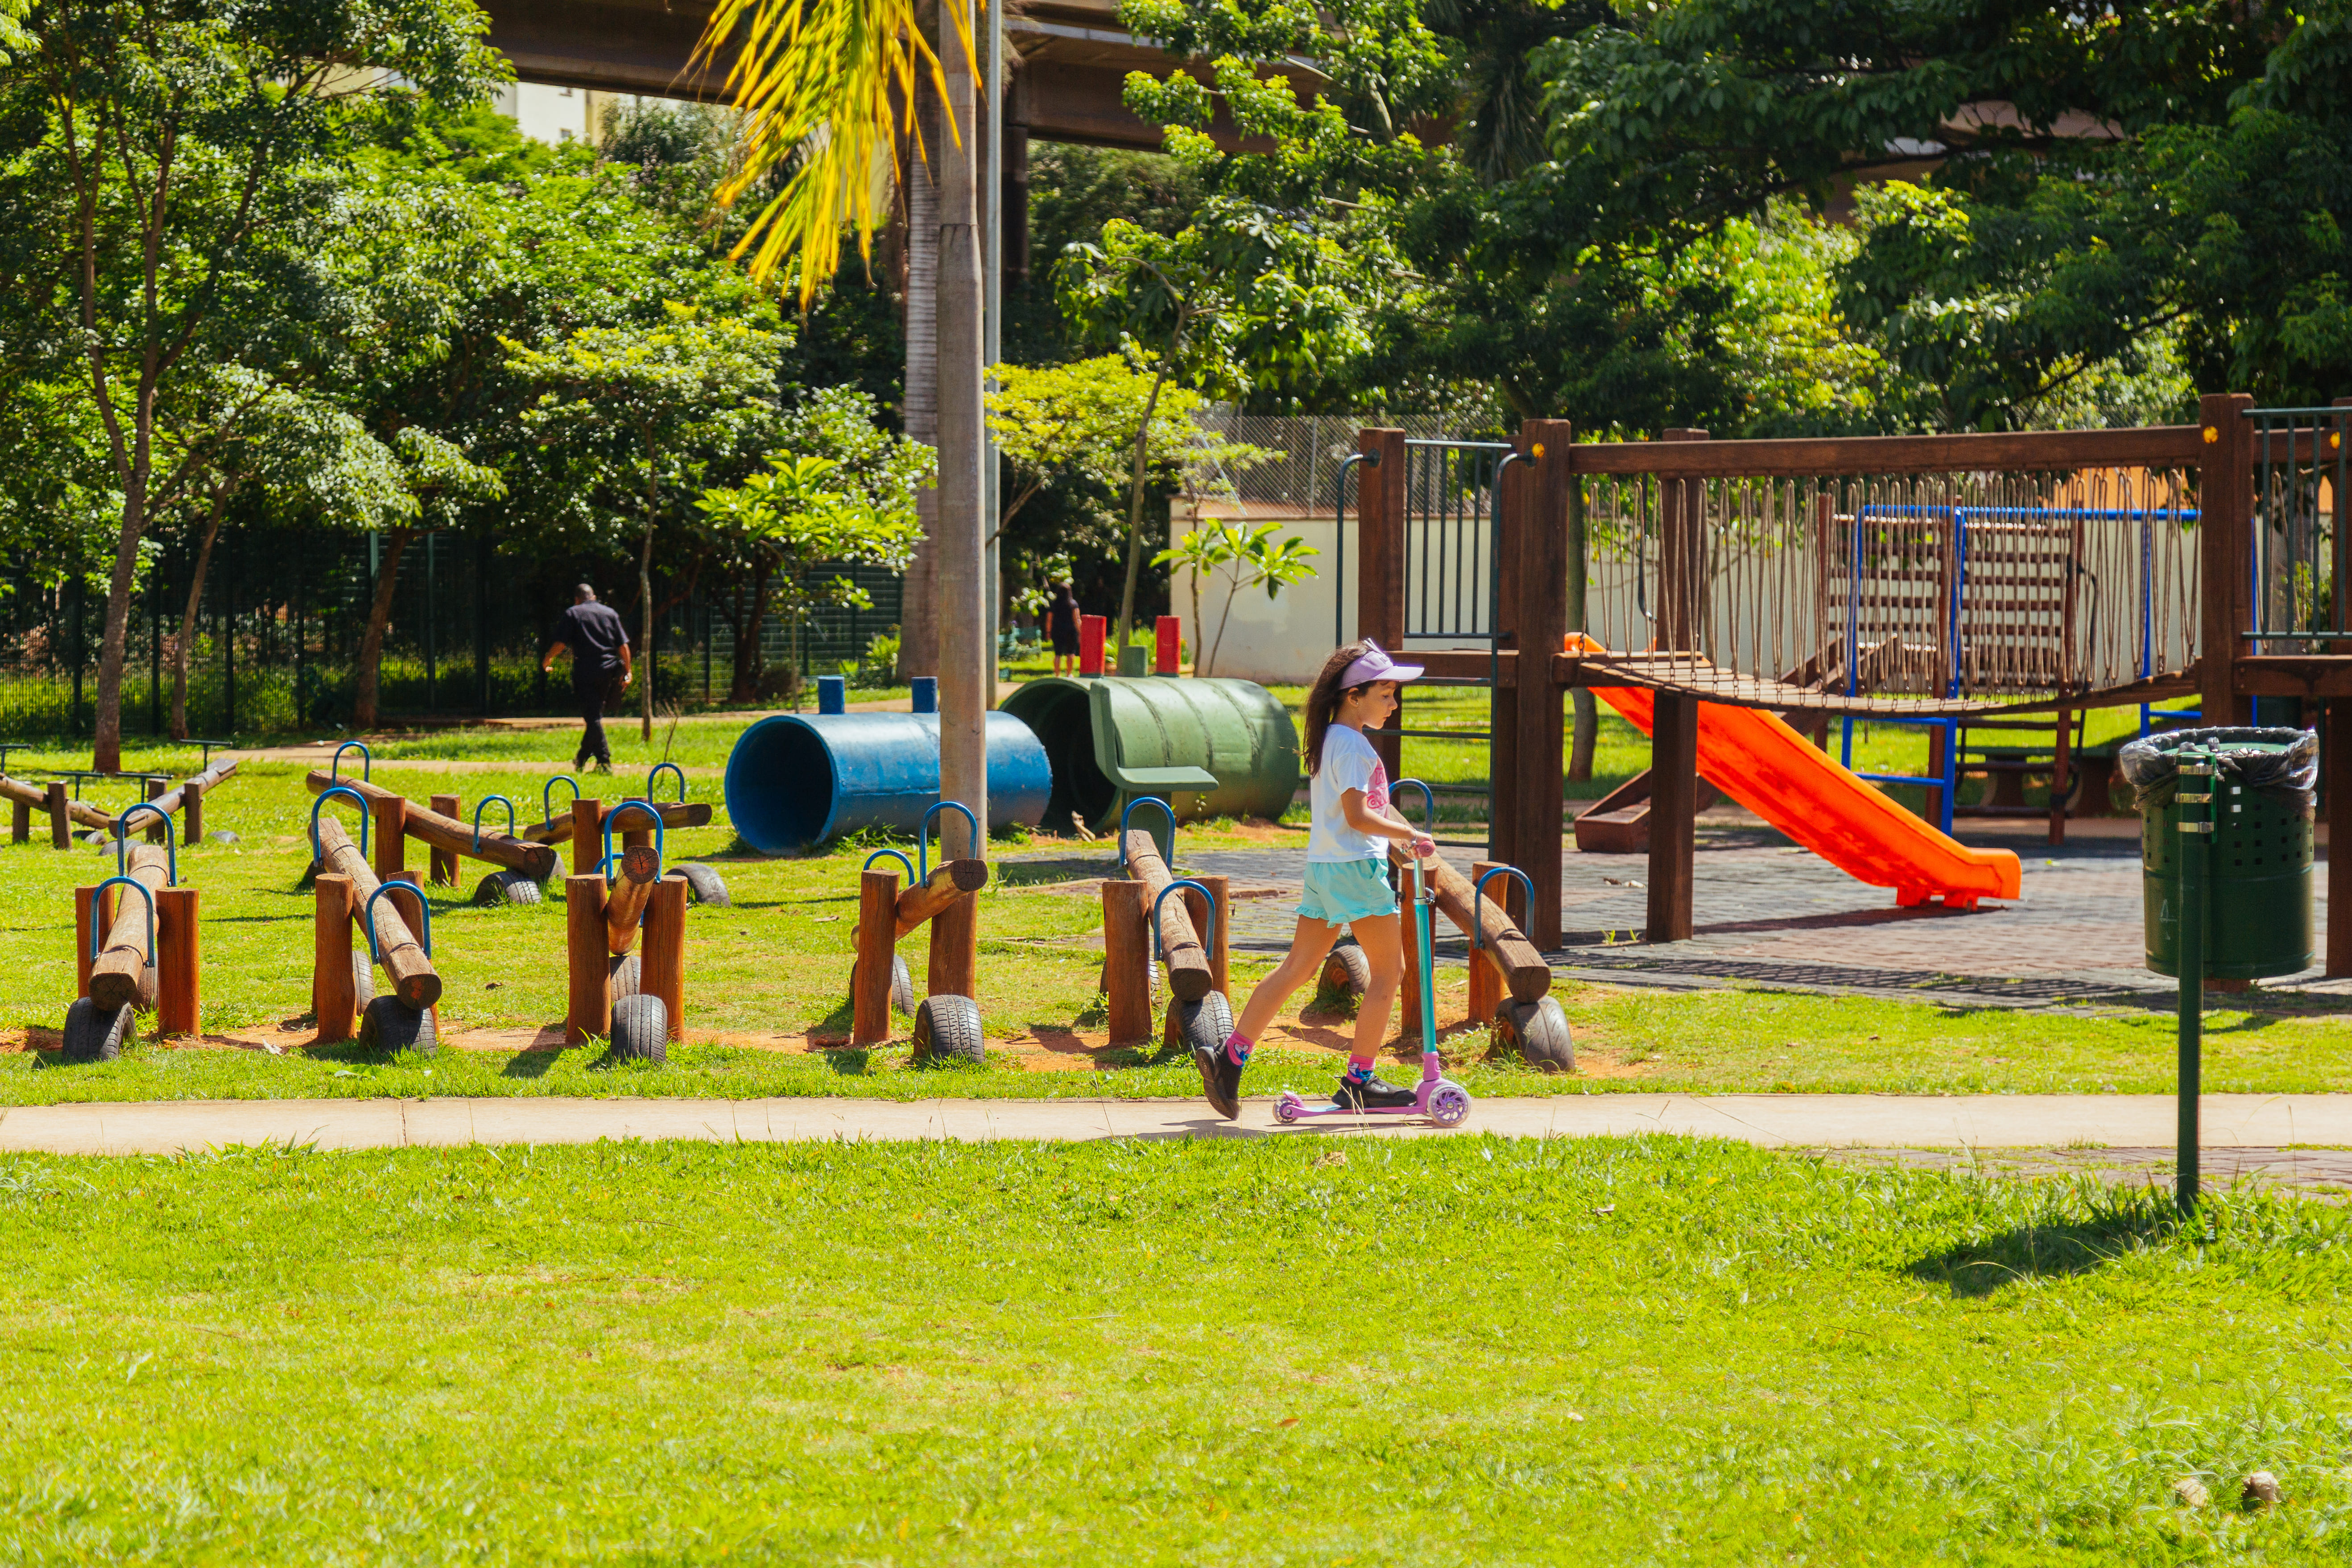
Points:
[(834, 82)]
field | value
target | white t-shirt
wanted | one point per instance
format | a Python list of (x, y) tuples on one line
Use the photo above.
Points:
[(1349, 762)]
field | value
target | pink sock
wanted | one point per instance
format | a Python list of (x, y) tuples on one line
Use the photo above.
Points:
[(1237, 1049), (1360, 1067)]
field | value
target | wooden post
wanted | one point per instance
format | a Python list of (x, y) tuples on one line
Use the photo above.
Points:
[(442, 868), (664, 965), (20, 821), (1126, 961), (877, 946), (589, 1015), (179, 963), (335, 999), (1410, 976), (1380, 558), (1539, 745), (587, 838), (1674, 796), (192, 812), (156, 831), (60, 824), (1485, 982), (391, 828), (2339, 837), (83, 925), (2225, 548), (2061, 768), (1515, 514), (955, 950)]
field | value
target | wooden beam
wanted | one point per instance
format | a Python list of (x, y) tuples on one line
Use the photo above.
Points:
[(2291, 675), (878, 943), (1126, 962), (179, 965), (625, 905), (1673, 790), (663, 968), (397, 949), (2225, 544), (948, 880), (1501, 944), (1189, 975), (1539, 741), (1380, 558), (589, 1012), (2339, 837), (442, 831), (335, 995), (2163, 445)]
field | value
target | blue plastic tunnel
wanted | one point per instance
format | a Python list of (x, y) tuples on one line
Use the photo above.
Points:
[(804, 778)]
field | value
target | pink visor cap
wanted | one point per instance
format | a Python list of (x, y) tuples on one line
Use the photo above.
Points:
[(1374, 665)]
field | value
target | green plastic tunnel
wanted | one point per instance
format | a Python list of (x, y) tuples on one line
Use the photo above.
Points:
[(1212, 748)]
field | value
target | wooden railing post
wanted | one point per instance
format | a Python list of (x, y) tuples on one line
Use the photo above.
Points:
[(442, 868), (179, 962), (2225, 519), (2339, 775), (1380, 558), (60, 823), (1674, 731), (1539, 568), (877, 942), (587, 838)]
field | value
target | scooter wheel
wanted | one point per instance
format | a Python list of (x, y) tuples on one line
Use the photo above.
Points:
[(1450, 1106), (1285, 1110)]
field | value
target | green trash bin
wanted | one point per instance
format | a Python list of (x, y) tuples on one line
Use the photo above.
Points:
[(2258, 908)]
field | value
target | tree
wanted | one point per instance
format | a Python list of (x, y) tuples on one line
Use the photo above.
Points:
[(1250, 556), (841, 491), (642, 414), (172, 166)]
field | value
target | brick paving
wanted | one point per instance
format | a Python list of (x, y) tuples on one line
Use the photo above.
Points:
[(1769, 913)]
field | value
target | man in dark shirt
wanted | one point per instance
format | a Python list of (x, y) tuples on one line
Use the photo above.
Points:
[(601, 668)]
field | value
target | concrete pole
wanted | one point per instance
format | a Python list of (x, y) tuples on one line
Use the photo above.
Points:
[(965, 669)]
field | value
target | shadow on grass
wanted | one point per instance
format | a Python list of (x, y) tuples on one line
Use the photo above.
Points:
[(529, 1064), (2106, 1224)]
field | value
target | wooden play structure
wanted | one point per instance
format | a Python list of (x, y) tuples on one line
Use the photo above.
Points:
[(136, 948), (1736, 597), (1154, 918), (625, 935), (947, 1019), (398, 820), (396, 926)]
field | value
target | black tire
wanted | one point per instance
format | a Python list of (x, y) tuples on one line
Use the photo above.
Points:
[(390, 1024), (507, 888), (1539, 1031), (1204, 1024), (703, 884), (623, 976), (94, 1036), (640, 1029), (947, 1029), (363, 977), (902, 986), (1346, 968)]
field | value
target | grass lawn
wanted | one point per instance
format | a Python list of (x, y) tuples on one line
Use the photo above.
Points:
[(1463, 1351)]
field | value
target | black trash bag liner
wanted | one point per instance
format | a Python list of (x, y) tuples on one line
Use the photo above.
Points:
[(2287, 778)]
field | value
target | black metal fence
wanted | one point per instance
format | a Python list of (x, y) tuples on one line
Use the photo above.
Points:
[(284, 611)]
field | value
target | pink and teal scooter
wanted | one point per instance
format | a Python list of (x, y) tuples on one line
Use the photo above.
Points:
[(1436, 1097)]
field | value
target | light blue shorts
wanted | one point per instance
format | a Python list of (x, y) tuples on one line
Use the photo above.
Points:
[(1339, 891)]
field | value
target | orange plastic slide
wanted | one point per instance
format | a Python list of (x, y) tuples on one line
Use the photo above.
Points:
[(1774, 772)]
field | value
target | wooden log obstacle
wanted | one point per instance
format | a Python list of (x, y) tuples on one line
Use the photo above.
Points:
[(398, 820), (625, 944), (947, 1019), (186, 802), (1145, 929), (136, 947), (390, 910)]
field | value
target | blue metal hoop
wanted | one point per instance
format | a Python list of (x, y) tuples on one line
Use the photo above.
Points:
[(923, 836), (1208, 937), (650, 809), (319, 855), (657, 771), (122, 842), (484, 805), (1428, 802), (97, 902), (546, 809), (367, 761), (894, 855), (1168, 852), (367, 916), (1478, 891)]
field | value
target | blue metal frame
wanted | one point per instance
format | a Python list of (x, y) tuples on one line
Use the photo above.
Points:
[(367, 761), (319, 855), (893, 854), (483, 805), (923, 834), (122, 842), (546, 806), (1428, 803), (97, 902), (1167, 853), (1208, 937), (367, 917), (1478, 891), (611, 816), (657, 771)]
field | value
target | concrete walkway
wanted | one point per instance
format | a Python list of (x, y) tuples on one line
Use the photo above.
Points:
[(1774, 1120)]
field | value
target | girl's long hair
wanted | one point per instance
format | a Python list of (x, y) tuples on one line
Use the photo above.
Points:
[(1323, 700)]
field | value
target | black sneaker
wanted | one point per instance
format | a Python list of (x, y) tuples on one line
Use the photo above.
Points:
[(1372, 1095), (1220, 1080)]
